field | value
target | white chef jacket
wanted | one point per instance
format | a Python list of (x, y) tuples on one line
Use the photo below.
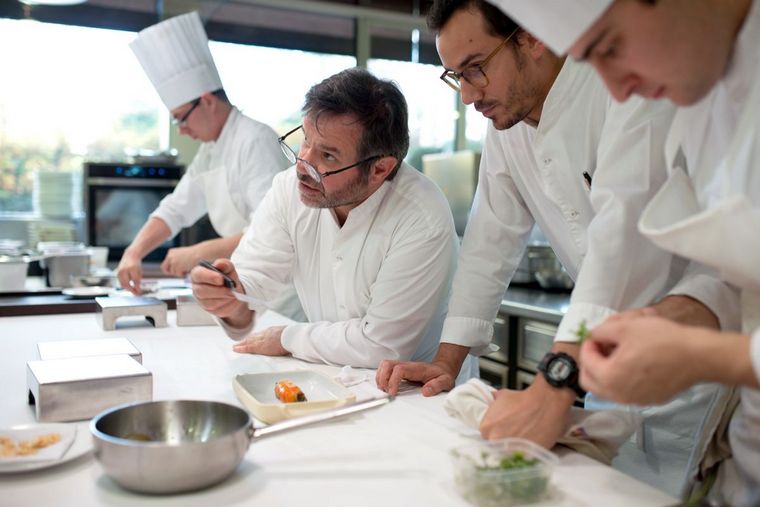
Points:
[(532, 175), (248, 156), (713, 215), (375, 288)]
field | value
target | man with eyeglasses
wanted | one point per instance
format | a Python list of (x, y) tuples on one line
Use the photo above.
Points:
[(233, 168), (559, 153), (368, 241)]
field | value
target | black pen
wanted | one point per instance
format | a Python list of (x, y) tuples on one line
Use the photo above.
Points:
[(587, 178), (228, 282)]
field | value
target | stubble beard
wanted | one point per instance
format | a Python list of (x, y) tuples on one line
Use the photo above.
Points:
[(353, 193)]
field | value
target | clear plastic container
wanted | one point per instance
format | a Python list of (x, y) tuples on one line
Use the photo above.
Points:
[(512, 471)]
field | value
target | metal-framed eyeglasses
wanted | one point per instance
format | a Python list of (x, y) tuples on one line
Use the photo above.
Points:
[(317, 176), (473, 74), (183, 119)]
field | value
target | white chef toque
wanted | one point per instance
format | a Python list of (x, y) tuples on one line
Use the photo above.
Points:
[(177, 60), (557, 23)]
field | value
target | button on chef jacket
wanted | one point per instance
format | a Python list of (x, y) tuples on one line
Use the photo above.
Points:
[(375, 288), (713, 151), (535, 175), (231, 175)]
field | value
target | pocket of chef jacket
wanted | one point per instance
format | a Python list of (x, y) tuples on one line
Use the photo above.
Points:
[(724, 236)]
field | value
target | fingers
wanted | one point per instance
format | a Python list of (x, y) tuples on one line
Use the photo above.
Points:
[(248, 345), (212, 295), (130, 278), (437, 385), (384, 373)]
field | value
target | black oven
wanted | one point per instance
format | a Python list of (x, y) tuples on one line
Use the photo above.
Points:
[(120, 197)]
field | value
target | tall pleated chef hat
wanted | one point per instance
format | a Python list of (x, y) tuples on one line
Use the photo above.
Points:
[(557, 23), (177, 60)]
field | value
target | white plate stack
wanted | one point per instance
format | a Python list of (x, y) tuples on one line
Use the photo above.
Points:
[(56, 194)]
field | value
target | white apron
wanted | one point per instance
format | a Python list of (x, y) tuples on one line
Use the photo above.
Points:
[(224, 216), (725, 237)]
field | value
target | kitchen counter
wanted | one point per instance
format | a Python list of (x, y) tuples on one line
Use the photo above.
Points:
[(41, 300), (535, 304), (394, 455)]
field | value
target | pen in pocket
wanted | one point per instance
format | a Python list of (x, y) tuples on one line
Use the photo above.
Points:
[(228, 282), (587, 179)]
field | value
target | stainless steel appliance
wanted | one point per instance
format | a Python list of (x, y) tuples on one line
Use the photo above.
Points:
[(119, 197)]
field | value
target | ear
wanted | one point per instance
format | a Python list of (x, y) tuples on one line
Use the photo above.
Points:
[(208, 100), (381, 168), (531, 45)]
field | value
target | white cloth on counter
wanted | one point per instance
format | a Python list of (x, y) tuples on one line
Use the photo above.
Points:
[(242, 162), (532, 176), (374, 288), (598, 435)]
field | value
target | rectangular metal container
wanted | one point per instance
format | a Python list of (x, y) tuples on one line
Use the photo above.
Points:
[(78, 388), (190, 313), (86, 348)]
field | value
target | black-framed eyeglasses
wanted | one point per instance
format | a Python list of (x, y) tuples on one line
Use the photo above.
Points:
[(473, 74), (317, 176), (181, 120)]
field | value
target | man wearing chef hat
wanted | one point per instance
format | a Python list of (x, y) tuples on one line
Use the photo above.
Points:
[(558, 152), (704, 55), (233, 168)]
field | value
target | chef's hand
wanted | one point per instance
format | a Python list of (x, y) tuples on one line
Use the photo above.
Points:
[(435, 377), (539, 413), (129, 272), (216, 298), (641, 360), (180, 261), (265, 343)]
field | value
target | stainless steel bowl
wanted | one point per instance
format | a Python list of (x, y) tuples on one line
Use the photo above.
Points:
[(183, 445), (171, 446)]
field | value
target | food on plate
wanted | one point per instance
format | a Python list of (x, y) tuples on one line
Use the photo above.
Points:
[(287, 392), (9, 448)]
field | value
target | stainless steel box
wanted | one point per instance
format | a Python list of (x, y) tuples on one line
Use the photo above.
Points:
[(190, 313), (108, 309), (78, 388), (86, 348)]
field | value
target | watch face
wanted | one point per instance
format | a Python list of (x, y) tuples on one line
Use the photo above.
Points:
[(559, 369)]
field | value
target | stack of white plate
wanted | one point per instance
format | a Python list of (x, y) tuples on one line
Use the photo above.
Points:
[(56, 194)]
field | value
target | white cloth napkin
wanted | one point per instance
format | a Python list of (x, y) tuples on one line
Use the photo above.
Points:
[(597, 434), (54, 451)]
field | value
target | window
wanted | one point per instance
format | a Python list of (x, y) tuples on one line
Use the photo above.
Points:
[(68, 94), (432, 107), (269, 84)]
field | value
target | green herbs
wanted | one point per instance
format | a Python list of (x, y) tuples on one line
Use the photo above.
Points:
[(582, 332), (516, 460), (496, 480)]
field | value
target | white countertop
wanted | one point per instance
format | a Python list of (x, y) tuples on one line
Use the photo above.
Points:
[(396, 455)]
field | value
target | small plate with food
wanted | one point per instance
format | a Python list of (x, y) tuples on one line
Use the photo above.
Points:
[(34, 446), (275, 396)]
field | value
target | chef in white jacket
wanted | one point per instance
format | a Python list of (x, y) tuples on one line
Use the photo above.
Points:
[(702, 55), (561, 153), (368, 241), (233, 168)]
